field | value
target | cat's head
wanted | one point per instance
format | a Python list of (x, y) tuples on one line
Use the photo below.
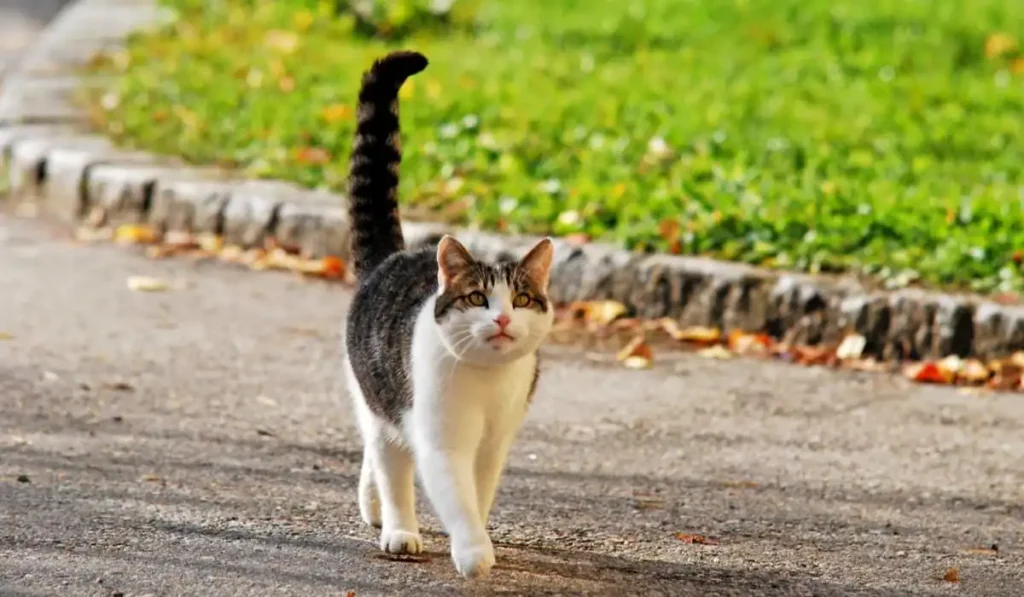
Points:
[(492, 313)]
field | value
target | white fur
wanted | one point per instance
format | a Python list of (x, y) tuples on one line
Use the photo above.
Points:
[(469, 400)]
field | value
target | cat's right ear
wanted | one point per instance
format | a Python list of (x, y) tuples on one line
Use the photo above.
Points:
[(452, 258)]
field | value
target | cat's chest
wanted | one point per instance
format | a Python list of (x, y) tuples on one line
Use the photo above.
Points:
[(492, 390)]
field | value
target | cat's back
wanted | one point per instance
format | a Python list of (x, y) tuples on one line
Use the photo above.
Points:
[(390, 298)]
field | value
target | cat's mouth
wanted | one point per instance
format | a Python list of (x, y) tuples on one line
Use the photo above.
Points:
[(500, 337)]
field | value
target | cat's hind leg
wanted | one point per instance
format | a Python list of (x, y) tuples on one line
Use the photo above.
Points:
[(369, 500), (394, 477)]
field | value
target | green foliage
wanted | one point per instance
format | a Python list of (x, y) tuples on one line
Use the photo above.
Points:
[(807, 134)]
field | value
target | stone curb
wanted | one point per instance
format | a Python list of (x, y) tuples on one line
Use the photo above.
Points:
[(54, 166)]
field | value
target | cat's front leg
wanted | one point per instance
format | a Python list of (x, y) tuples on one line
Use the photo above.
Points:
[(490, 461), (446, 465)]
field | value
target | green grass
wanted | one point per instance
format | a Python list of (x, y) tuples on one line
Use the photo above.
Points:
[(885, 137)]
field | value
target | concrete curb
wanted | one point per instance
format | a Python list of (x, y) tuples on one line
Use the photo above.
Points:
[(54, 166)]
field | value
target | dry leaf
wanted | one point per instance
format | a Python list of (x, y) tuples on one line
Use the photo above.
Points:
[(696, 539), (210, 242), (928, 372), (1007, 375), (4, 336), (147, 284), (974, 371), (749, 344), (716, 352), (637, 354), (810, 355), (695, 335), (152, 478), (87, 234), (135, 234), (851, 347), (983, 551), (597, 312), (951, 575), (333, 267)]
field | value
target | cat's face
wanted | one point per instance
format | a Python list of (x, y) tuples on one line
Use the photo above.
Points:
[(490, 314)]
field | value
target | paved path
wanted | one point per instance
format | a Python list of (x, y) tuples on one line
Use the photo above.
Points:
[(197, 442)]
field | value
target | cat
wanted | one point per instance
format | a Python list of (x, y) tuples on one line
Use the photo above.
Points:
[(441, 348)]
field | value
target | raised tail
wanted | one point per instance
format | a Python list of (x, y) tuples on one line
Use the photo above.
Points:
[(376, 155)]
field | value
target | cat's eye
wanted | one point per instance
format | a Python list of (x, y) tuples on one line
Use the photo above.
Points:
[(477, 299), (521, 300)]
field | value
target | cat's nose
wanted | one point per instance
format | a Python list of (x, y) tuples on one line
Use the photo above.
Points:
[(502, 320)]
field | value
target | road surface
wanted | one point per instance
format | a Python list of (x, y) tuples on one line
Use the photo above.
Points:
[(198, 442)]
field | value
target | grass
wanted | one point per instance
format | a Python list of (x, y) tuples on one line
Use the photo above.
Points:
[(816, 135)]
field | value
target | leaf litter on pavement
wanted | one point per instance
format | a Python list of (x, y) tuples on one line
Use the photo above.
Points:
[(609, 320), (598, 319)]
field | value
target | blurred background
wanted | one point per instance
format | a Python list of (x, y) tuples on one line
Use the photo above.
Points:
[(865, 136)]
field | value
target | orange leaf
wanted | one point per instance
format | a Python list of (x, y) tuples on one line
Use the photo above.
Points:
[(951, 575), (929, 372), (135, 233), (1017, 66), (312, 156), (696, 539), (637, 354), (743, 343), (1007, 375), (811, 355), (695, 335), (333, 267)]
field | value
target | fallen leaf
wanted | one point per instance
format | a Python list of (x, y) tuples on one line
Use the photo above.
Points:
[(851, 347), (810, 355), (1006, 373), (147, 284), (120, 386), (696, 539), (716, 352), (180, 239), (597, 312), (210, 242), (951, 575), (265, 433), (637, 354), (695, 335), (152, 478), (749, 344), (24, 479), (4, 336), (928, 372), (983, 551), (135, 234), (647, 501), (333, 267), (974, 371)]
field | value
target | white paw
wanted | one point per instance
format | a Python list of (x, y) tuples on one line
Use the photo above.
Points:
[(474, 561), (398, 541), (369, 510)]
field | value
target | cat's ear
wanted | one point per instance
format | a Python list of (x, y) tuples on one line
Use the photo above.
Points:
[(537, 263), (452, 258)]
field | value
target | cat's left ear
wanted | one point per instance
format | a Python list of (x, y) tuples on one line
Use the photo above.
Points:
[(537, 263)]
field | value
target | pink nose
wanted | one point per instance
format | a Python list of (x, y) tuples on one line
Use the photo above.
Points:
[(502, 321)]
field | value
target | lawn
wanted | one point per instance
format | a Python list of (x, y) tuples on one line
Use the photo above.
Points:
[(815, 135)]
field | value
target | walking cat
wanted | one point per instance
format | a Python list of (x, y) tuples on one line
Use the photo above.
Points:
[(441, 349)]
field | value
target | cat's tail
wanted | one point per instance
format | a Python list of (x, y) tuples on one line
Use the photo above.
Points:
[(376, 155)]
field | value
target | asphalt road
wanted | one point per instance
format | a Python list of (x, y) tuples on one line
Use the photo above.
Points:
[(198, 442)]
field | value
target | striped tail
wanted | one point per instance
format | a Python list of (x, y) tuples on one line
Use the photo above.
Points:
[(376, 157)]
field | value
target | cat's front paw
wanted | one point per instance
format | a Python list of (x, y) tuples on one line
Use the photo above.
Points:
[(397, 541), (473, 561)]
